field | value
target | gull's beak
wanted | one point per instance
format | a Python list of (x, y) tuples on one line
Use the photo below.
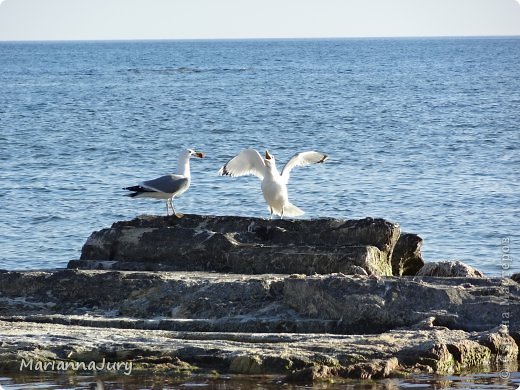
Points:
[(199, 155), (267, 155)]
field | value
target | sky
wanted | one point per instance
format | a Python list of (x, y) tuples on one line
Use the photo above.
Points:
[(222, 19)]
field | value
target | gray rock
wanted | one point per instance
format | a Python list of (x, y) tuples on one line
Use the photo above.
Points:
[(308, 328), (255, 303), (382, 355), (377, 304), (450, 269), (406, 258), (308, 299), (243, 245), (374, 369), (314, 373), (502, 345)]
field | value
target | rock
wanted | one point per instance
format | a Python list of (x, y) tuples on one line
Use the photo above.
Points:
[(363, 327), (448, 355), (312, 374), (516, 277), (246, 364), (244, 245), (355, 356), (309, 299), (373, 305), (375, 369), (502, 346), (210, 302), (406, 257), (456, 269)]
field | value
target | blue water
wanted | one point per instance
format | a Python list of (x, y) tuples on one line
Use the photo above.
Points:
[(423, 132)]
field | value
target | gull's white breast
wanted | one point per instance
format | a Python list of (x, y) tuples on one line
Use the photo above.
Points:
[(275, 192)]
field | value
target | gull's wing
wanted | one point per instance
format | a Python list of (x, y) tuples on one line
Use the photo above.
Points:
[(301, 159), (247, 162), (169, 184)]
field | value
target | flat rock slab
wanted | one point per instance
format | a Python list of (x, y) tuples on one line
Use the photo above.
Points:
[(302, 327), (301, 357), (251, 245), (256, 303)]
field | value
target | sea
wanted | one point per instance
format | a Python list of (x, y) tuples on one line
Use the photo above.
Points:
[(422, 132)]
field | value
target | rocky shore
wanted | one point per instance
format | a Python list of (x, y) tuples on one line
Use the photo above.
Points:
[(305, 300)]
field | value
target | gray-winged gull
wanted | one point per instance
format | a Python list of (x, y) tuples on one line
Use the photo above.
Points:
[(168, 186)]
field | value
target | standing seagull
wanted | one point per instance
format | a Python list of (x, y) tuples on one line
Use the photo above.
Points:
[(274, 184), (168, 186)]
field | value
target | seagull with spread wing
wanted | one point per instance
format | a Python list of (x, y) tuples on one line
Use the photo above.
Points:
[(274, 184), (169, 186)]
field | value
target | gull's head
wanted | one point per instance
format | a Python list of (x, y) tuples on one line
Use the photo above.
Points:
[(268, 159), (194, 153)]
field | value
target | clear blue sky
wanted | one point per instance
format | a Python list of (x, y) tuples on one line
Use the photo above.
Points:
[(180, 19)]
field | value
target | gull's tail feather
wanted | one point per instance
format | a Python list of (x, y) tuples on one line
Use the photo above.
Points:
[(291, 210), (139, 192)]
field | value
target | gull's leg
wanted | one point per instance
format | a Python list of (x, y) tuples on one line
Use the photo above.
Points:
[(167, 210), (281, 216), (271, 213), (173, 208)]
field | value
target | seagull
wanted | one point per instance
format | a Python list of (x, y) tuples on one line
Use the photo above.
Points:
[(168, 186), (274, 184)]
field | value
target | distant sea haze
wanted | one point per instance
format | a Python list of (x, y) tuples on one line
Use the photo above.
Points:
[(422, 132)]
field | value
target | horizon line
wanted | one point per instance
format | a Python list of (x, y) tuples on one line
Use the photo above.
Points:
[(257, 38)]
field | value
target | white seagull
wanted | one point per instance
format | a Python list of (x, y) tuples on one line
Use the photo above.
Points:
[(168, 186), (274, 184)]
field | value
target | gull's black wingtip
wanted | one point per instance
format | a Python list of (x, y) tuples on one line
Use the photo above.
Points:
[(224, 172), (324, 158)]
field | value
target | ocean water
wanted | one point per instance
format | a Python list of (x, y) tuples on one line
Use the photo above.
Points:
[(470, 381), (422, 132)]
